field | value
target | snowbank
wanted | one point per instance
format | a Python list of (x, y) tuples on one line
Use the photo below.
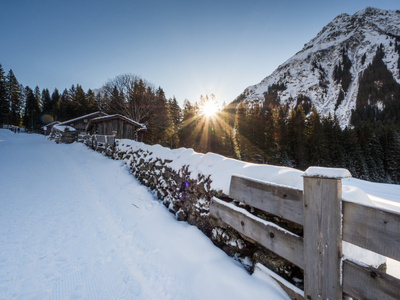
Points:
[(221, 169)]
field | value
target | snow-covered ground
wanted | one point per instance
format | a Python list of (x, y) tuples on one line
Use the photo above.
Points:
[(77, 225)]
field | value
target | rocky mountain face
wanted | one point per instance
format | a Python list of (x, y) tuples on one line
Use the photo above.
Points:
[(353, 61)]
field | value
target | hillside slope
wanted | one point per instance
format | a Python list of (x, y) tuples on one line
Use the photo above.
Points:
[(328, 71)]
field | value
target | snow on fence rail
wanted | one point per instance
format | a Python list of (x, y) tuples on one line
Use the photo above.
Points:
[(327, 221)]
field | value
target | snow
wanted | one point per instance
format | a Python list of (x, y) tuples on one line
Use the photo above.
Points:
[(261, 270), (122, 117), (337, 173), (222, 168), (77, 225), (363, 255), (82, 117), (64, 128), (219, 167), (253, 217)]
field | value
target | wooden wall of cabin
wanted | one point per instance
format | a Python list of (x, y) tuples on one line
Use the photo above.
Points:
[(124, 130)]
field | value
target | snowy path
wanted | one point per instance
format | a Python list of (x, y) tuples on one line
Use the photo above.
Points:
[(76, 225)]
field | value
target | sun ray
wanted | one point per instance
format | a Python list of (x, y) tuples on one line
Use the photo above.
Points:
[(203, 129), (209, 107)]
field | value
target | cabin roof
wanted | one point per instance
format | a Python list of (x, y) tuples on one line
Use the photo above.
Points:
[(83, 117), (50, 124), (118, 116), (53, 123), (63, 128)]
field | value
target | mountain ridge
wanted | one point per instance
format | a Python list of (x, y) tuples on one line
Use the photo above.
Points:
[(327, 71)]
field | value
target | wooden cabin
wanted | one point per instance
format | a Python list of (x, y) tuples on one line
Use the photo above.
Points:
[(121, 126), (81, 123)]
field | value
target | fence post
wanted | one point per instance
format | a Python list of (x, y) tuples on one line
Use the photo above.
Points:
[(323, 232)]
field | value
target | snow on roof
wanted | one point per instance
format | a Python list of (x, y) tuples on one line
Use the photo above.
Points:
[(53, 123), (83, 117), (50, 124), (64, 128), (119, 117)]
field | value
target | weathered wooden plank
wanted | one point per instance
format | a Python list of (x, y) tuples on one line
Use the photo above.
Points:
[(365, 282), (322, 238), (284, 202), (267, 234), (372, 228), (110, 139)]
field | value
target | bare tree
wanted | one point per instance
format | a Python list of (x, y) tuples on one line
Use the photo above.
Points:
[(137, 99), (130, 96)]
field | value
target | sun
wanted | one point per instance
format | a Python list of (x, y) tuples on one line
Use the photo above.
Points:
[(209, 108)]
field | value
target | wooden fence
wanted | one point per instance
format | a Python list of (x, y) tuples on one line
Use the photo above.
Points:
[(327, 221), (105, 143)]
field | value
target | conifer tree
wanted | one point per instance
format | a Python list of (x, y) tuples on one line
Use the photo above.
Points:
[(297, 135), (15, 95), (55, 103), (92, 105), (47, 107), (79, 101), (333, 149), (160, 123), (241, 131), (175, 114), (282, 138), (270, 142), (316, 151), (32, 111), (65, 111), (4, 99), (390, 141), (256, 138), (187, 133), (225, 133)]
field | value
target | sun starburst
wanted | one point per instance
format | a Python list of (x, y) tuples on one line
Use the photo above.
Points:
[(209, 107)]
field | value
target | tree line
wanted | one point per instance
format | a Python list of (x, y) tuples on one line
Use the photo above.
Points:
[(265, 132), (127, 94), (32, 108), (290, 138)]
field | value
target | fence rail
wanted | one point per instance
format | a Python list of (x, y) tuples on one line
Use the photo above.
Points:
[(372, 228), (282, 201), (105, 143), (327, 221)]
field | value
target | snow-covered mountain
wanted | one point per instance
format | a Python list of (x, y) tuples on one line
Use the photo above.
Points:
[(327, 71)]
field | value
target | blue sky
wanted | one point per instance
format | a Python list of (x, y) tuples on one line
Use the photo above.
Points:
[(189, 48)]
